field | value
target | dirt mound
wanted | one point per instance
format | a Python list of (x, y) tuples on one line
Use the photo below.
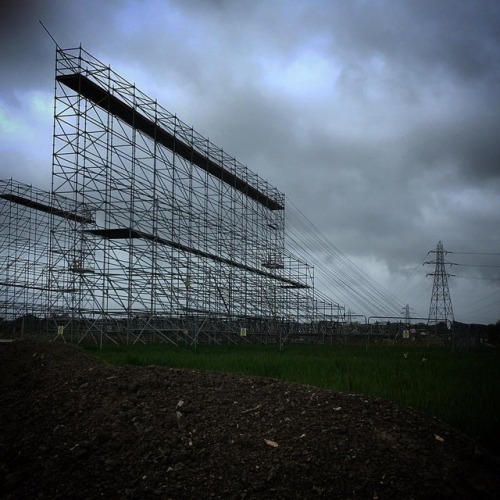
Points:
[(72, 427)]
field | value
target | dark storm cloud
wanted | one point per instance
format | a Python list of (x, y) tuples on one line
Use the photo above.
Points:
[(27, 52), (469, 143), (457, 37)]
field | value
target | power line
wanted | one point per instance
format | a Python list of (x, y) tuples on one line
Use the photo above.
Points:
[(475, 253), (348, 279), (475, 278), (473, 265)]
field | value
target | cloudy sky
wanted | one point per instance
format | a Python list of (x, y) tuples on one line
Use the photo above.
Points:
[(380, 120)]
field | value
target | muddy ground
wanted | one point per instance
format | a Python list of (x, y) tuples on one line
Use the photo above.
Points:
[(73, 427)]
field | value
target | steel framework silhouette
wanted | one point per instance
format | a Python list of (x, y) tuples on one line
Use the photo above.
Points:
[(440, 309), (182, 240), (29, 270)]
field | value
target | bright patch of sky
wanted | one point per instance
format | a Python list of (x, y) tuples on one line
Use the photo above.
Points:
[(308, 75), (31, 110), (42, 105), (8, 124), (131, 20)]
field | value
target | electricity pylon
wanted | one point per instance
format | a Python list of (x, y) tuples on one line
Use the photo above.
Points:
[(406, 329), (440, 308), (406, 312)]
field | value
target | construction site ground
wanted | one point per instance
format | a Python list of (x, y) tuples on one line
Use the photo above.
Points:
[(74, 427)]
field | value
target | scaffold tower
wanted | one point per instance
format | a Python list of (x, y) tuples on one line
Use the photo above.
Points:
[(185, 238), (30, 285), (149, 232)]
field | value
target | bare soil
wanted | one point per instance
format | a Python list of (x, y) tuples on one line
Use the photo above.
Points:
[(74, 427)]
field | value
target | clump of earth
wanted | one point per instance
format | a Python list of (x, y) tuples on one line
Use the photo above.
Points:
[(74, 427)]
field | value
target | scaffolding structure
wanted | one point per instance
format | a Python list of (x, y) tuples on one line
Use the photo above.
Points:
[(28, 267), (183, 241)]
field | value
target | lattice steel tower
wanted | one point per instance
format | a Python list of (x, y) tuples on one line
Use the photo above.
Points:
[(440, 309)]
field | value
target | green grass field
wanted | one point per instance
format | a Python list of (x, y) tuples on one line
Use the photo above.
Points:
[(461, 388)]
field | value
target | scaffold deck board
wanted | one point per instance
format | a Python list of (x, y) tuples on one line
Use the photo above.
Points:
[(104, 99)]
